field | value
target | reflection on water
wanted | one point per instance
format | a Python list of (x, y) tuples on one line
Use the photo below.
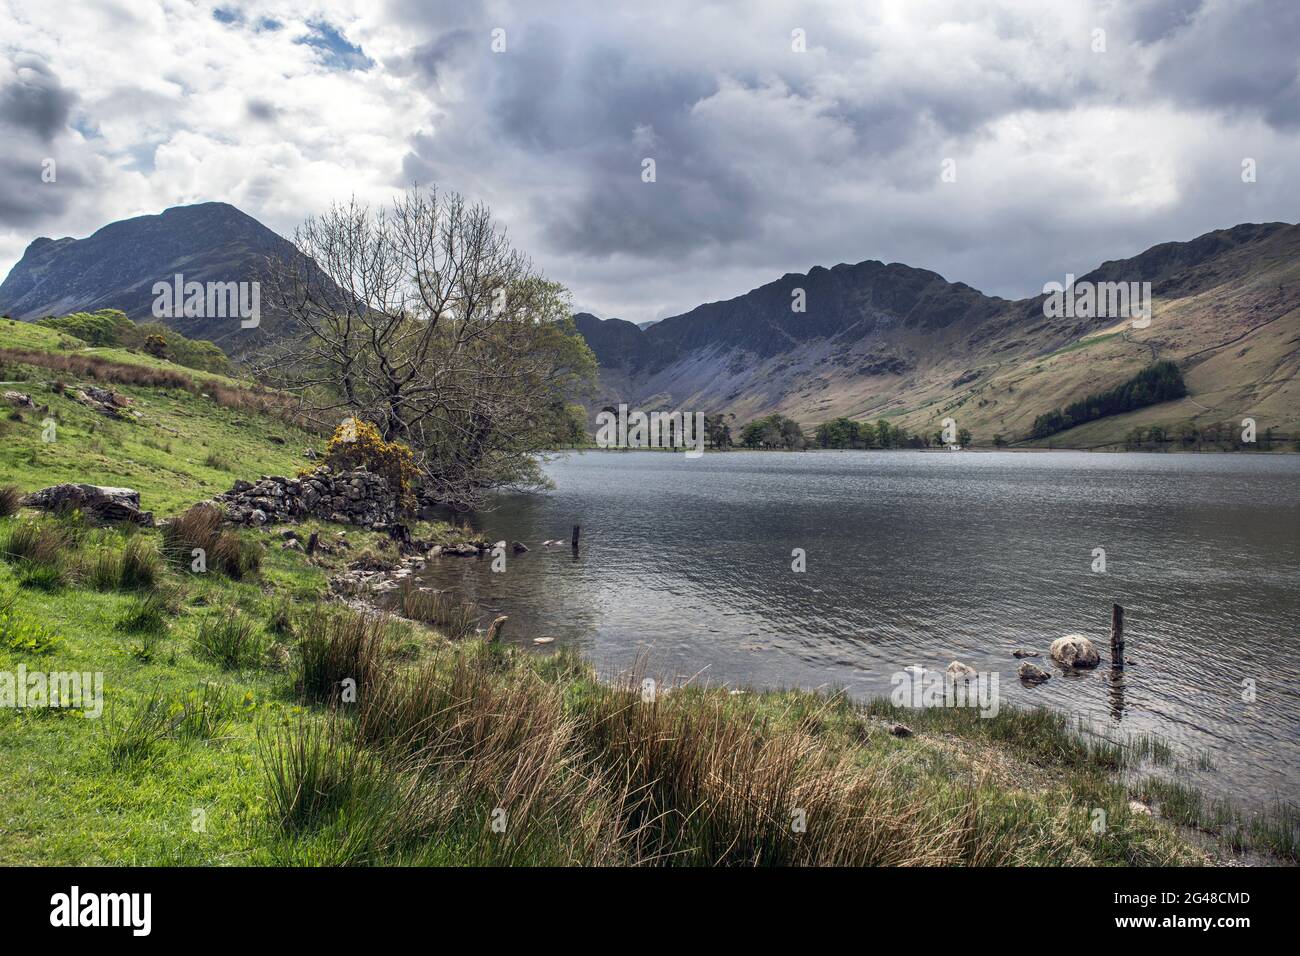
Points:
[(919, 559)]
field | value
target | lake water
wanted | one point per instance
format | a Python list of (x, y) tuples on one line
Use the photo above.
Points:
[(920, 558)]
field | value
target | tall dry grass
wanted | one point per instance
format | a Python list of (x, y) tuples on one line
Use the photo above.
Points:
[(200, 528), (585, 772)]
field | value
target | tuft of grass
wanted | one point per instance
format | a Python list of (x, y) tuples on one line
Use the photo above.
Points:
[(218, 461), (35, 543), (335, 645), (130, 738), (1275, 830), (199, 530), (140, 567), (9, 499), (312, 772), (144, 614), (456, 619), (44, 577), (232, 639), (205, 714), (136, 567)]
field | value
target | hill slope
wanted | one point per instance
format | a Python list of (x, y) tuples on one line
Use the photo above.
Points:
[(892, 341)]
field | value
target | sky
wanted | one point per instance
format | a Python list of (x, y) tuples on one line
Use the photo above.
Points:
[(1001, 143)]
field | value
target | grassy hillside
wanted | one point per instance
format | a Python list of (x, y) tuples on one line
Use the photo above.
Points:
[(227, 736), (181, 441), (1230, 319)]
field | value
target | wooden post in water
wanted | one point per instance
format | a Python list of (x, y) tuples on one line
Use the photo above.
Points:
[(577, 530), (1117, 637)]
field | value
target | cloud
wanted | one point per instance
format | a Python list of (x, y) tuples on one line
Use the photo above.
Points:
[(32, 99), (770, 155)]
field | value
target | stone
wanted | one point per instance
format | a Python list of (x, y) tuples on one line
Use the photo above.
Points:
[(900, 730), (1032, 673), (1024, 652), (18, 398), (519, 547), (1075, 650), (543, 640), (1137, 806), (257, 517), (97, 502), (960, 671)]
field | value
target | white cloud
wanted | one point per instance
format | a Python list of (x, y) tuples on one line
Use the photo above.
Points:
[(769, 160)]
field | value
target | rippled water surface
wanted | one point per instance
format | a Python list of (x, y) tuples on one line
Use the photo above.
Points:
[(920, 558)]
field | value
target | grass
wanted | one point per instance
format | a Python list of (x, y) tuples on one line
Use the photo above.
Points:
[(191, 427), (232, 639), (197, 540), (453, 616)]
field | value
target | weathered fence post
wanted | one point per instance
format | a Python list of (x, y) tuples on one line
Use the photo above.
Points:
[(495, 629), (1117, 637), (577, 529)]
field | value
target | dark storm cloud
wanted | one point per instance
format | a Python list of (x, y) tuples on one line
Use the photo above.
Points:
[(34, 100), (429, 59), (1241, 56), (1157, 19), (35, 109), (768, 160), (261, 110), (27, 200)]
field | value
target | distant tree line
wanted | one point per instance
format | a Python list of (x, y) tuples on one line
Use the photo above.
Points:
[(774, 431), (1161, 382), (1220, 436), (847, 433)]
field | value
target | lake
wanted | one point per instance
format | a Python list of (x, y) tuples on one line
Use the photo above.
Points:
[(917, 559)]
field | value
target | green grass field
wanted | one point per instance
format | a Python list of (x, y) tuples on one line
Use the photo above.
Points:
[(228, 735)]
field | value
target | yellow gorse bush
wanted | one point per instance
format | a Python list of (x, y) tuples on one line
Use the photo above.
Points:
[(356, 443)]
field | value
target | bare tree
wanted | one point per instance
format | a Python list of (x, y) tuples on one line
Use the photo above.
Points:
[(424, 319)]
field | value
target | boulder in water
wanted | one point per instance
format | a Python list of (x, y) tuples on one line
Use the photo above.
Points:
[(1075, 650), (1032, 673)]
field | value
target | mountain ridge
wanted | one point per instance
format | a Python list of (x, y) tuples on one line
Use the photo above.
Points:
[(873, 339), (117, 265), (892, 340)]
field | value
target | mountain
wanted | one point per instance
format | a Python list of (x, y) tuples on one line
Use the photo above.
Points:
[(889, 340), (118, 266), (873, 340)]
